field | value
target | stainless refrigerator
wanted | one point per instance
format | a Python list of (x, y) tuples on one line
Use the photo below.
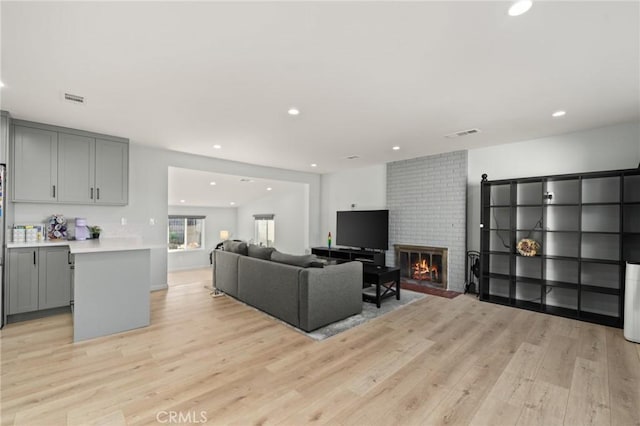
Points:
[(3, 244)]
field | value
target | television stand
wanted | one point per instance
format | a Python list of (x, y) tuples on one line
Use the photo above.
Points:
[(342, 255)]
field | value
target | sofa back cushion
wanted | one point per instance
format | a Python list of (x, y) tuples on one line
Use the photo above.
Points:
[(303, 261), (260, 252), (269, 286), (239, 247)]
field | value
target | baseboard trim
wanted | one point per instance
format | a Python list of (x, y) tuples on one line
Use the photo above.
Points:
[(159, 287)]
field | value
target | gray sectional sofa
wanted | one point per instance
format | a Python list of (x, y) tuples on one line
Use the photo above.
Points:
[(305, 297)]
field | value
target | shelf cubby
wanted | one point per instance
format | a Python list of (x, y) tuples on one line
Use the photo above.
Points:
[(563, 191), (500, 217), (530, 267), (601, 218), (562, 298), (601, 190), (499, 264), (562, 218), (632, 189), (600, 274), (631, 218), (529, 193), (501, 195), (562, 244), (598, 303), (561, 270), (600, 246)]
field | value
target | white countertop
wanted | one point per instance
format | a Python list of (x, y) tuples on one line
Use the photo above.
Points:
[(91, 246)]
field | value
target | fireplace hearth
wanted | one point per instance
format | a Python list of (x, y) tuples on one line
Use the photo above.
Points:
[(422, 265)]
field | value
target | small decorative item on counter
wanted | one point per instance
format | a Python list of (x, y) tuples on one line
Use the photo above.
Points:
[(329, 241), (528, 247), (95, 231), (27, 233), (57, 228)]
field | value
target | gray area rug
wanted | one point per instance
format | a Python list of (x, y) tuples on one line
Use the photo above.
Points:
[(369, 312)]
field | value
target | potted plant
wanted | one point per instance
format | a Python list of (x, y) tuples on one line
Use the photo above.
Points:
[(95, 231)]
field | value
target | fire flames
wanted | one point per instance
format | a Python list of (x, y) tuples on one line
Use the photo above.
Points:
[(422, 271)]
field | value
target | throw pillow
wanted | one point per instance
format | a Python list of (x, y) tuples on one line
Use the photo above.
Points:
[(238, 247), (260, 252), (303, 261)]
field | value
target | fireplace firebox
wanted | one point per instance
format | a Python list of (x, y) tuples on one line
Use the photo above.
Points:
[(422, 265)]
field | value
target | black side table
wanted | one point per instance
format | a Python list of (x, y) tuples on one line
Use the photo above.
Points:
[(384, 278)]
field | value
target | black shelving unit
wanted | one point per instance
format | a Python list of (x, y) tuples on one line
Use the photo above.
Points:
[(588, 226)]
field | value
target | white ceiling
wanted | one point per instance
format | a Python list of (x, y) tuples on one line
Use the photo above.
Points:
[(366, 75), (194, 187)]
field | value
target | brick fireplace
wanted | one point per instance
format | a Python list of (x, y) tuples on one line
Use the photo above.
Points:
[(422, 265), (427, 201)]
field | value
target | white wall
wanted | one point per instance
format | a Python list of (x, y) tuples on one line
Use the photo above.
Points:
[(148, 180), (604, 148), (216, 220), (291, 212), (365, 187)]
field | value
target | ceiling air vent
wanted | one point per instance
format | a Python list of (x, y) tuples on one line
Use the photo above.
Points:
[(462, 133), (74, 98), (352, 157)]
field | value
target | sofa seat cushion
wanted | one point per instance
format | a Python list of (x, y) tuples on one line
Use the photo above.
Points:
[(260, 252), (302, 261)]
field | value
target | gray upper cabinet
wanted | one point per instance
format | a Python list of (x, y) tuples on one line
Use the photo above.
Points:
[(54, 277), (59, 165), (23, 280), (112, 169), (76, 174), (35, 164)]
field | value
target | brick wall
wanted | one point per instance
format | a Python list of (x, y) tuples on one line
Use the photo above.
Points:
[(427, 198)]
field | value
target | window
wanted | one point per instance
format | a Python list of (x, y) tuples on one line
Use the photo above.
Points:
[(264, 229), (186, 233)]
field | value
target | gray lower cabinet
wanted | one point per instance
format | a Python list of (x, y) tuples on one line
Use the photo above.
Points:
[(35, 164), (23, 280), (54, 276), (39, 278)]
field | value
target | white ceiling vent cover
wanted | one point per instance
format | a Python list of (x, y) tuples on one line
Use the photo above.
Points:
[(462, 133), (74, 99)]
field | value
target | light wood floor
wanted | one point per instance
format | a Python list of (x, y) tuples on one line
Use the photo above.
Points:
[(436, 361)]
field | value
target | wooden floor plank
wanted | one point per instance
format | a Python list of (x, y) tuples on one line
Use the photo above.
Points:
[(435, 361)]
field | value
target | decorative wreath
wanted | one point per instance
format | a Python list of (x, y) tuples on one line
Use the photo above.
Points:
[(528, 247)]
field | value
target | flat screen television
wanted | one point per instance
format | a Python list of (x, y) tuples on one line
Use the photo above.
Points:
[(363, 228)]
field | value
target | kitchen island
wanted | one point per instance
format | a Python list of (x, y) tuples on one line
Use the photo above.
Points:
[(111, 284)]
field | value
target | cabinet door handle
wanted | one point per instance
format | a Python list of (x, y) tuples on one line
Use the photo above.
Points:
[(54, 191), (34, 257), (98, 193), (92, 193)]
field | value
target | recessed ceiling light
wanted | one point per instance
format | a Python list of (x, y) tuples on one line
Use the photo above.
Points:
[(558, 114), (216, 146), (520, 7), (212, 183), (232, 203), (1, 84), (293, 111), (269, 189), (314, 165), (395, 148), (182, 201)]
